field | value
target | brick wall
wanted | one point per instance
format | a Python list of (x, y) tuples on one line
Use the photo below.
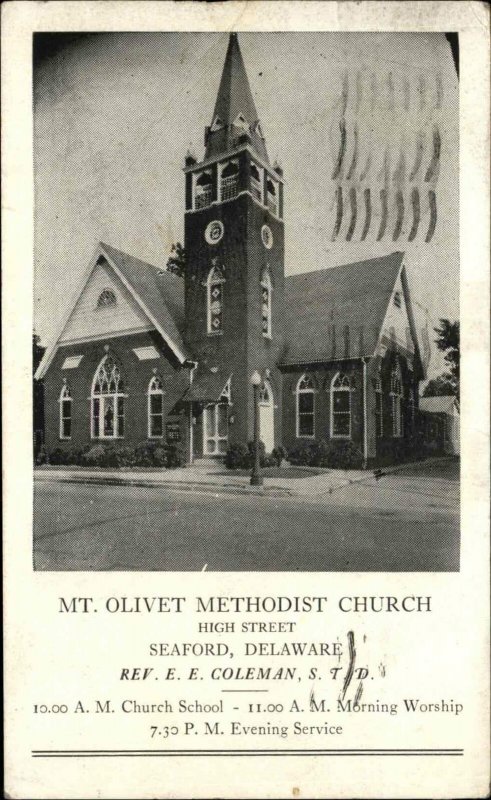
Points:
[(137, 376), (323, 376)]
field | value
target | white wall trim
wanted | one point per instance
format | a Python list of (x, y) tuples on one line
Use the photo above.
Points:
[(110, 335), (56, 341)]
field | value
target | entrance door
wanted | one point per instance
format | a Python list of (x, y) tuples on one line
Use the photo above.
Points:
[(266, 416), (215, 429)]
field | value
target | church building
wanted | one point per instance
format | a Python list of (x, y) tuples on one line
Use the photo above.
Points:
[(147, 355)]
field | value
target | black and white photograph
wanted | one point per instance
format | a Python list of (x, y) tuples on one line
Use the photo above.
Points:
[(246, 301)]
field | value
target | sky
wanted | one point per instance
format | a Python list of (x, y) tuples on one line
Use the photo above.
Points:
[(114, 115)]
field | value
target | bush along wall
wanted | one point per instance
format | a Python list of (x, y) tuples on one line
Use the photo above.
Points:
[(333, 455), (147, 454), (241, 456)]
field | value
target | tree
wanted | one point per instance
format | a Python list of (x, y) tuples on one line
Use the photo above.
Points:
[(37, 351), (448, 341), (38, 397), (438, 387), (176, 263)]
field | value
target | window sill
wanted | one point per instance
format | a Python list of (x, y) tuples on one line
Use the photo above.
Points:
[(215, 333), (339, 436), (106, 438)]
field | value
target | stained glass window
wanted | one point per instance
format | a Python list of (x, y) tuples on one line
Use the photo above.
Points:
[(266, 288), (341, 407), (215, 301), (108, 400)]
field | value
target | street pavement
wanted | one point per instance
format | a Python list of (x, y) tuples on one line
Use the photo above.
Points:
[(405, 521)]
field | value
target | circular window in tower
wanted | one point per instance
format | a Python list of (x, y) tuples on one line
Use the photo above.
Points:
[(214, 232), (267, 237)]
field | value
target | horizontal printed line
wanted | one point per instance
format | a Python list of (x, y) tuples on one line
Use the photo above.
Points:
[(250, 753)]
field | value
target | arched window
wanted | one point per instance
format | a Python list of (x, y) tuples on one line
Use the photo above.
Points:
[(396, 396), (379, 407), (305, 407), (155, 408), (204, 189), (106, 299), (229, 182), (107, 401), (340, 407), (266, 289), (412, 409), (65, 413), (271, 196), (214, 301), (256, 182)]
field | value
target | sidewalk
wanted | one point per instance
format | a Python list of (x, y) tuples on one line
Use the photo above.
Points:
[(206, 480)]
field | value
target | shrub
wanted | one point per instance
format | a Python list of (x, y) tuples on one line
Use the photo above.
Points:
[(278, 455), (340, 455), (73, 456), (146, 454), (125, 456), (41, 457), (237, 456), (333, 455), (94, 456), (241, 456), (58, 456), (173, 456), (301, 455)]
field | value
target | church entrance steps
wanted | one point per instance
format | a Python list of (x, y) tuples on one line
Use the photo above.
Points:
[(208, 464)]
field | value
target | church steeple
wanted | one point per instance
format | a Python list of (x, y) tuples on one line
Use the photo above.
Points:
[(235, 118)]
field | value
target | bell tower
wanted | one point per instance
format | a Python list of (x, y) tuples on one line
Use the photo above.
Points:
[(234, 242)]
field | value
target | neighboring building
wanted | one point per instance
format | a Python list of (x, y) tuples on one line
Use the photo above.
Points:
[(440, 421), (144, 354)]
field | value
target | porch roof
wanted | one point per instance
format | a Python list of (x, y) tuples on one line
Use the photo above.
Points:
[(207, 386)]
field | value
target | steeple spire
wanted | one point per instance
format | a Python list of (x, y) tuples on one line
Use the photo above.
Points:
[(235, 113)]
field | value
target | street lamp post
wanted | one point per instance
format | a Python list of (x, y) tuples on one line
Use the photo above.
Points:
[(256, 477)]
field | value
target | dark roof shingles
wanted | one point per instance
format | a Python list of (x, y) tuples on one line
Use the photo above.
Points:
[(338, 312), (161, 292)]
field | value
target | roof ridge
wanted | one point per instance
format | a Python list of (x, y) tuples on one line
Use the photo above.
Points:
[(129, 255), (343, 266)]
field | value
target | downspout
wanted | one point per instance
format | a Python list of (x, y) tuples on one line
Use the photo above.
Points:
[(365, 414), (192, 366)]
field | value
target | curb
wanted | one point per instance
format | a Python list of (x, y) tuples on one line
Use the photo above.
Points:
[(379, 472), (209, 488)]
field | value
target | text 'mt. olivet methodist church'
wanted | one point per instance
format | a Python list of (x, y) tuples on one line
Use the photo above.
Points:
[(146, 355)]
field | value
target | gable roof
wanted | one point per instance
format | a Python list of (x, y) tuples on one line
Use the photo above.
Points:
[(159, 294), (208, 386), (162, 293), (338, 312), (438, 405)]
